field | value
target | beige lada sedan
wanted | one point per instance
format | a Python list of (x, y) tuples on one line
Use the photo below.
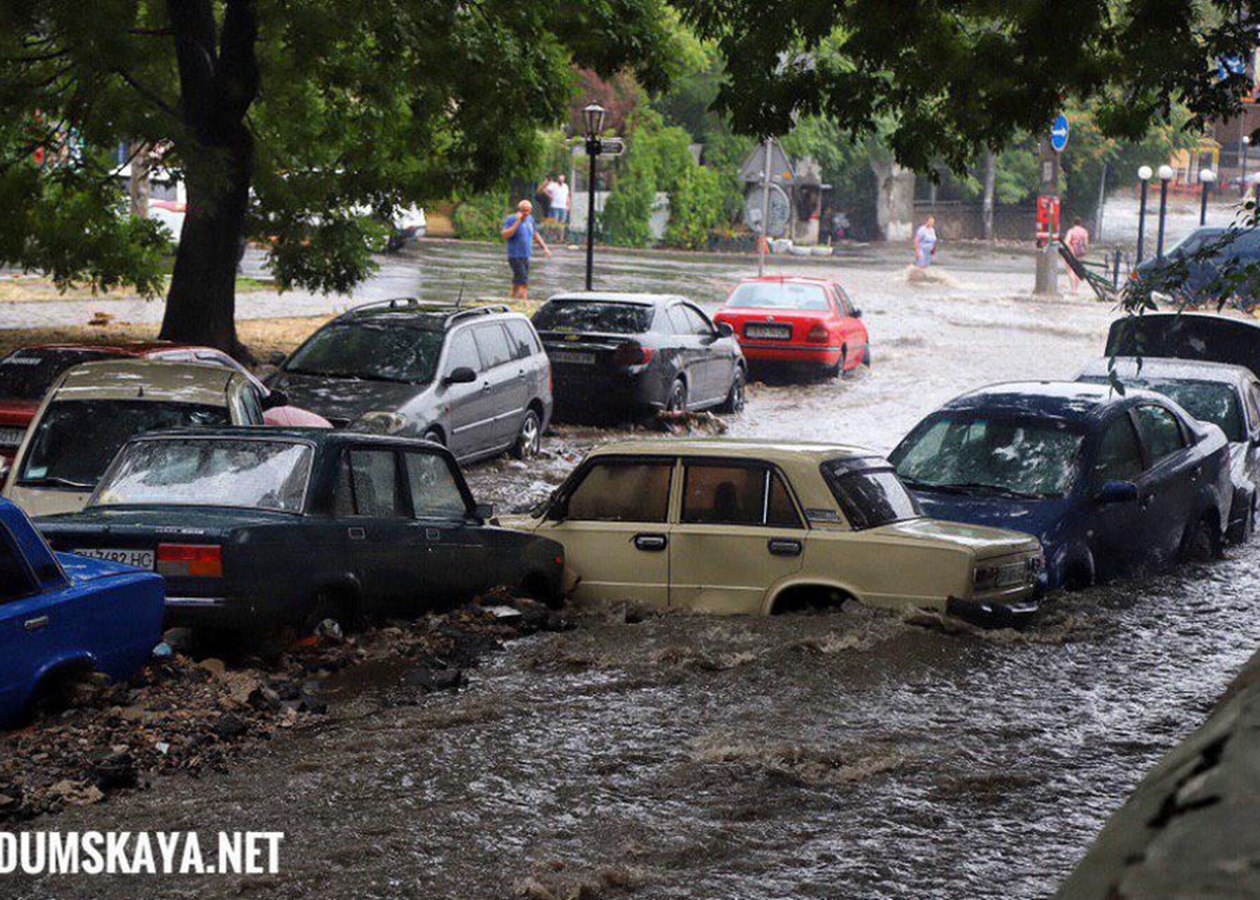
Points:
[(743, 527)]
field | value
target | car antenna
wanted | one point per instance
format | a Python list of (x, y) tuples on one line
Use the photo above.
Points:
[(460, 296)]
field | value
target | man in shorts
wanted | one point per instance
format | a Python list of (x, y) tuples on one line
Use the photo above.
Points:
[(520, 233)]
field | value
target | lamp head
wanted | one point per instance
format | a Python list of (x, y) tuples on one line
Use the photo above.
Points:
[(593, 113), (1207, 176), (1165, 172), (1145, 173)]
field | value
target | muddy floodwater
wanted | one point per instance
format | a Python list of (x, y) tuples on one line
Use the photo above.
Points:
[(846, 754)]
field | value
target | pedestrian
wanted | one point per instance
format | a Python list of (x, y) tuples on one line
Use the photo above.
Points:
[(925, 243), (543, 196), (520, 233), (560, 204), (1077, 240)]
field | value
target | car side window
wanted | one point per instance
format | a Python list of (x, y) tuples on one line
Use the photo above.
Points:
[(697, 321), (524, 343), (780, 510), (493, 343), (1119, 453), (15, 575), (462, 352), (716, 494), (616, 491), (1251, 400), (842, 301), (434, 492), (1161, 432), (678, 320), (377, 493), (252, 405)]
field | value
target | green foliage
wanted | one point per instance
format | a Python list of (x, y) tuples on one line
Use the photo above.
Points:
[(658, 158), (695, 208), (480, 217)]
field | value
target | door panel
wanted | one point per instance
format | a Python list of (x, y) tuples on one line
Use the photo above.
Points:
[(453, 554), (471, 408), (1121, 529), (378, 538), (504, 382), (1169, 487)]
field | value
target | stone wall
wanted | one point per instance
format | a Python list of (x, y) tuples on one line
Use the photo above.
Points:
[(965, 221)]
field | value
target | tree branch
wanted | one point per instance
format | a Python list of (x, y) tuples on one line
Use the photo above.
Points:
[(147, 93)]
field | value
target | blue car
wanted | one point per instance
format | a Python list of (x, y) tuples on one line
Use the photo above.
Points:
[(1107, 482), (61, 615)]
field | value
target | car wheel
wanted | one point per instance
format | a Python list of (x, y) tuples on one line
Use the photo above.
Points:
[(734, 402), (677, 401), (866, 356), (328, 604), (528, 438), (1202, 542), (434, 436), (837, 371)]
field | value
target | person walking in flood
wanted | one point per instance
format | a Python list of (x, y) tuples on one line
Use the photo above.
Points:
[(1077, 240), (925, 243), (521, 233)]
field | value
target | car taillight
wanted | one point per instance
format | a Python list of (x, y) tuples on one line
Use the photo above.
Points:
[(190, 560), (632, 354), (818, 334)]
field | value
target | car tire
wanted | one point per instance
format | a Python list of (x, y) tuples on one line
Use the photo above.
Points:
[(329, 604), (676, 402), (837, 371), (528, 437), (1202, 541), (434, 436), (866, 356), (734, 402)]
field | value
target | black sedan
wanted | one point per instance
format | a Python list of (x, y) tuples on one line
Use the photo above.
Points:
[(291, 526), (625, 353)]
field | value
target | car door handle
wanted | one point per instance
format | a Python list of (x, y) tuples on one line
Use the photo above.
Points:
[(36, 624), (651, 543), (1145, 501), (784, 547), (485, 388), (1195, 473), (520, 374)]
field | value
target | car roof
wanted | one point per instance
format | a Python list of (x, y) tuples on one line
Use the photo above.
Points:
[(409, 311), (317, 436), (147, 379), (620, 297), (773, 451), (783, 279), (1136, 367), (1072, 401)]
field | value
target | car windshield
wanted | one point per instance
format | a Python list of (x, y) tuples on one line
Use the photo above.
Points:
[(258, 474), (27, 374), (779, 295), (1010, 457), (370, 352), (1194, 241), (869, 497), (602, 316), (1207, 401), (76, 439)]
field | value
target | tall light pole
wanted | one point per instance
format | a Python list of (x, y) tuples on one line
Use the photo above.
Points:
[(1165, 176), (1206, 177), (1144, 175), (593, 115), (1245, 142)]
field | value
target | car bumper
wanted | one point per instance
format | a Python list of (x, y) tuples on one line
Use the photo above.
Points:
[(812, 354), (577, 393), (997, 611)]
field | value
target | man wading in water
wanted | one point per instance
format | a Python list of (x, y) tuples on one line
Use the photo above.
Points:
[(520, 233)]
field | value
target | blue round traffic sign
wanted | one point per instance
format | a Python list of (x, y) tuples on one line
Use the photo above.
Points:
[(1059, 129)]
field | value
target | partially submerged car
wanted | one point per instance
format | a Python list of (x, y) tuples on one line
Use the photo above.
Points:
[(1226, 396), (623, 354), (62, 615), (267, 527), (1209, 338), (758, 527), (1207, 265), (1106, 482), (92, 410)]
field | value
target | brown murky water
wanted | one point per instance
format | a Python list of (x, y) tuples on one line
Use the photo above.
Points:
[(849, 754)]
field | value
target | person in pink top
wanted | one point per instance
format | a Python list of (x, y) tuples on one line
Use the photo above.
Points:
[(1077, 240)]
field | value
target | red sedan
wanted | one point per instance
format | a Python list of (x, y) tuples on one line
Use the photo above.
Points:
[(28, 372), (799, 320)]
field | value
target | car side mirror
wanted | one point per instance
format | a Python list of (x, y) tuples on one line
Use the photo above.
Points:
[(857, 313), (275, 398), (1116, 492), (460, 375), (725, 329), (483, 511)]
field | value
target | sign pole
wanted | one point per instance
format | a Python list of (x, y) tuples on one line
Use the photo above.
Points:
[(765, 211)]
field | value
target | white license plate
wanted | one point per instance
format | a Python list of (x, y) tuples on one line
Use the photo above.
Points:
[(141, 559), (772, 332), (11, 437), (568, 356), (1012, 574)]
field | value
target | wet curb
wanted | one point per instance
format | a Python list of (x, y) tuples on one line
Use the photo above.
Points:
[(1191, 828)]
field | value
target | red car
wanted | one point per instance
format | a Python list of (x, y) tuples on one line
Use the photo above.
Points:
[(799, 320), (28, 372)]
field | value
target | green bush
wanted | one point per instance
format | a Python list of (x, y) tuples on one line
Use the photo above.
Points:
[(480, 218), (695, 208)]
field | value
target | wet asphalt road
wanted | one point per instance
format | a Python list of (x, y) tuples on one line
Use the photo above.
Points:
[(851, 754)]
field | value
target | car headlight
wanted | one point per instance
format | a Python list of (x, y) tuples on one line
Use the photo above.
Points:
[(379, 422), (985, 578)]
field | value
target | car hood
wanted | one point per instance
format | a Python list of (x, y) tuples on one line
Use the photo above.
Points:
[(1036, 517), (985, 542), (342, 400)]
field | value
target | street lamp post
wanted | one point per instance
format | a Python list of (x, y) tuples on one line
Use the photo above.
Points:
[(1242, 178), (1206, 177), (1144, 175), (594, 118), (1165, 176)]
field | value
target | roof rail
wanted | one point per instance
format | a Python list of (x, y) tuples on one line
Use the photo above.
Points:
[(478, 311), (392, 303)]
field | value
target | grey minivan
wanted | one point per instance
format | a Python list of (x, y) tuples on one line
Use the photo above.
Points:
[(475, 379)]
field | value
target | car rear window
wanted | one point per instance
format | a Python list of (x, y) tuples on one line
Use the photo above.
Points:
[(27, 374), (779, 295), (602, 316), (869, 496), (61, 455)]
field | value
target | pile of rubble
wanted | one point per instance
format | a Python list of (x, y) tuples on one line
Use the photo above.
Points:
[(182, 714)]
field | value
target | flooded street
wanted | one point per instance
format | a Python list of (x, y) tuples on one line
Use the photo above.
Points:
[(847, 754)]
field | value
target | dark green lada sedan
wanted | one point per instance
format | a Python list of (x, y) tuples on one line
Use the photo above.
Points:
[(254, 527)]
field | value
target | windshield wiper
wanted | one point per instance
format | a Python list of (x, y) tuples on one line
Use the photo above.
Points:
[(55, 481), (969, 486)]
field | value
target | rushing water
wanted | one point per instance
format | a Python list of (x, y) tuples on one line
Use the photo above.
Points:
[(846, 754)]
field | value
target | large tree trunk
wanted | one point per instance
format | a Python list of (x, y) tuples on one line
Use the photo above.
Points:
[(217, 87), (990, 182)]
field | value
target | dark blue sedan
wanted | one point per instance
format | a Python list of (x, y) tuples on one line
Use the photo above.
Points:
[(1106, 482), (61, 615)]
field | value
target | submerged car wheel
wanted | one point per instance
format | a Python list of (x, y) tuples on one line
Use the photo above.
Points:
[(837, 371), (734, 402), (529, 438), (1202, 542), (866, 356), (677, 401), (434, 436)]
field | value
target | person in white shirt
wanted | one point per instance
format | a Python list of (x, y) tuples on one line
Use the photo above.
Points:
[(560, 202)]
